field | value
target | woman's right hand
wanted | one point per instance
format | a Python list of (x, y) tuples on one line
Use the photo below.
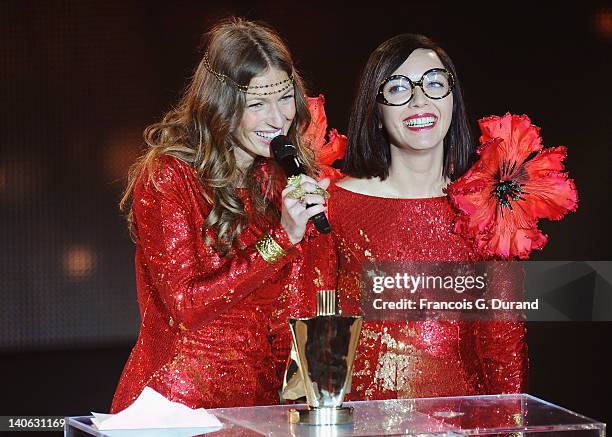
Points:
[(295, 215)]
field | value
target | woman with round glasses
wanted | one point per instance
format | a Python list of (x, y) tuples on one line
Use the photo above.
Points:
[(214, 227), (408, 137)]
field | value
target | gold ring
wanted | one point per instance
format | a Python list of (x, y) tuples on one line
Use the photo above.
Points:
[(297, 193), (321, 192), (294, 181)]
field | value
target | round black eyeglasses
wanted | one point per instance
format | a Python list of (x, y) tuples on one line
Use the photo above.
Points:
[(397, 90)]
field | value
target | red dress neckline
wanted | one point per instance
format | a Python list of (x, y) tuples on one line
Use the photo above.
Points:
[(434, 198)]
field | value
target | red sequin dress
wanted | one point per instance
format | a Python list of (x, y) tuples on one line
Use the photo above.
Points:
[(404, 359), (204, 335)]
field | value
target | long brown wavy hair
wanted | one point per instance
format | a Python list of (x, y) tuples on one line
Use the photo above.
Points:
[(201, 130)]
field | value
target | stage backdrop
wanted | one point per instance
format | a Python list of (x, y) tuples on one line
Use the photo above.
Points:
[(81, 80)]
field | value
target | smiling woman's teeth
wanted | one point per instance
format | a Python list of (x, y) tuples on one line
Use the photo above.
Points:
[(420, 122), (268, 135)]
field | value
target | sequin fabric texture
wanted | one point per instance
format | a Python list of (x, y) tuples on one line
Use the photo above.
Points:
[(404, 359), (205, 331)]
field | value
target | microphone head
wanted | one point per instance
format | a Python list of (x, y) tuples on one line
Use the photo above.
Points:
[(281, 147)]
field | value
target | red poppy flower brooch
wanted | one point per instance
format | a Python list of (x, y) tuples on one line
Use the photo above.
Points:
[(515, 182)]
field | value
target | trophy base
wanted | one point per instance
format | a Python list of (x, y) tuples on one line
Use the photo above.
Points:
[(322, 416)]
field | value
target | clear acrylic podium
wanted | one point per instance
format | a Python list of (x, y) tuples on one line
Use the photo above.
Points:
[(502, 415)]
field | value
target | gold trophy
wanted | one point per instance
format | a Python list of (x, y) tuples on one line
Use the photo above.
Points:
[(321, 363)]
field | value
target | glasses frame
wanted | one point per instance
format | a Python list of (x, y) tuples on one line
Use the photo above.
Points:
[(380, 96)]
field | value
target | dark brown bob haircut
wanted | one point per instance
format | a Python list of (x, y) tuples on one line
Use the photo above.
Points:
[(368, 151)]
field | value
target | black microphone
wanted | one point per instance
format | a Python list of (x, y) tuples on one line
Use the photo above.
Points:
[(285, 154)]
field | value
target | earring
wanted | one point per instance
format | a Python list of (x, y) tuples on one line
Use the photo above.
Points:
[(380, 125), (451, 160)]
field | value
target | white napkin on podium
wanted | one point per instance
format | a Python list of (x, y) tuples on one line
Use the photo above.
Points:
[(153, 411)]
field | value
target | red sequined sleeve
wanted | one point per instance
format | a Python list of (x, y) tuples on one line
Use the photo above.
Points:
[(194, 288), (503, 343)]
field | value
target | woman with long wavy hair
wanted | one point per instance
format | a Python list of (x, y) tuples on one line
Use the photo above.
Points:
[(213, 226)]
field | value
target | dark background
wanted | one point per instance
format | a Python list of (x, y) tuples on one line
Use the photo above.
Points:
[(81, 79)]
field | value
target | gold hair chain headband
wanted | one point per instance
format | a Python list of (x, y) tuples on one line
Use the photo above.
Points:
[(245, 88)]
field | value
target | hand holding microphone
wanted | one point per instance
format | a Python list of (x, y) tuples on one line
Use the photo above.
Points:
[(296, 212)]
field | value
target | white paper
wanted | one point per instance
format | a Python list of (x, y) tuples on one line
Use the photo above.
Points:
[(152, 410)]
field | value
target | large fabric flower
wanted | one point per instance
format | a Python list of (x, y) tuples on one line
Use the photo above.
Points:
[(326, 152), (514, 183)]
